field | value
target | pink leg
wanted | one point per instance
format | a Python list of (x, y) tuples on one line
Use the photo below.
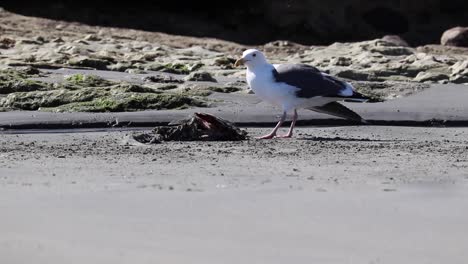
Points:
[(273, 132), (293, 123)]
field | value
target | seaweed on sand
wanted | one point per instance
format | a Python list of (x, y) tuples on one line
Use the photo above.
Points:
[(198, 127)]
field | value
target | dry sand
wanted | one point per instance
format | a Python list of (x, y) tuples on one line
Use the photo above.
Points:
[(364, 194)]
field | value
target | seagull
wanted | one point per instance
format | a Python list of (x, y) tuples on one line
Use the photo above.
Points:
[(297, 86)]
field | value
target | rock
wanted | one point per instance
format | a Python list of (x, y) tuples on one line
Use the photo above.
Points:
[(135, 71), (195, 67), (443, 50), (431, 77), (98, 99), (91, 37), (353, 75), (199, 52), (424, 62), (225, 62), (151, 56), (199, 126), (28, 70), (457, 36), (160, 78), (29, 41), (81, 41), (34, 100), (58, 40), (6, 43), (341, 61), (194, 89), (40, 39), (459, 67), (122, 102), (176, 68), (381, 91), (393, 51), (16, 80), (82, 80), (133, 88), (396, 40), (459, 72), (120, 66), (240, 84), (22, 86), (89, 62), (166, 87), (224, 89), (200, 77), (461, 78)]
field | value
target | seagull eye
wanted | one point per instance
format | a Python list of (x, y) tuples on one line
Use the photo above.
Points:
[(254, 55)]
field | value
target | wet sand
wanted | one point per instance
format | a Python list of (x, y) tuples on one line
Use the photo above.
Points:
[(356, 194)]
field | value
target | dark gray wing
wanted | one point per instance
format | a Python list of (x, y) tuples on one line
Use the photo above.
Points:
[(309, 80), (337, 109)]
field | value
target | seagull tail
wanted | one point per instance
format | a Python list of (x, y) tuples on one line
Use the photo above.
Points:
[(339, 110)]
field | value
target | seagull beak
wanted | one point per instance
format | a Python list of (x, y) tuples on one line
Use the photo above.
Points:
[(239, 62)]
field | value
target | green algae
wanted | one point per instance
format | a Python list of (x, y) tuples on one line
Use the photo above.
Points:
[(98, 100), (133, 88), (133, 102), (17, 81), (208, 90), (38, 99), (167, 87), (81, 92), (176, 68), (82, 80), (200, 93)]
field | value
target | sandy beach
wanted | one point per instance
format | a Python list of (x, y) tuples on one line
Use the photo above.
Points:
[(356, 194)]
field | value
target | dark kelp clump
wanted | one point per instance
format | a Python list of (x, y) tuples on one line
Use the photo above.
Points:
[(198, 127)]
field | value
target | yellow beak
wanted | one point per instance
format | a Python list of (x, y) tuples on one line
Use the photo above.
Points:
[(239, 62)]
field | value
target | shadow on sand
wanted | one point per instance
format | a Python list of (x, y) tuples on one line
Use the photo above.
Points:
[(347, 139)]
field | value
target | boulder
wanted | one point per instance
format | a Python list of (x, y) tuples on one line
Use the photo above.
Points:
[(430, 77), (457, 36), (395, 39)]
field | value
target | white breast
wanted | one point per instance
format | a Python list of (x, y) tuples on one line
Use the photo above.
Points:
[(262, 82)]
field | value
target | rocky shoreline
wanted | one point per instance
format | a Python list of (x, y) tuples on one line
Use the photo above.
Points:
[(176, 72)]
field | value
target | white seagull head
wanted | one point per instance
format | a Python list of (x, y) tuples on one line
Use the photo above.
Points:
[(251, 58)]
